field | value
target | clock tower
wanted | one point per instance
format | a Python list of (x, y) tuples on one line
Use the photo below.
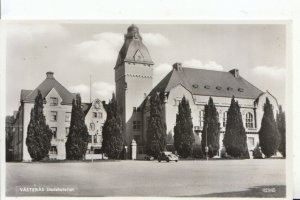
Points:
[(133, 78)]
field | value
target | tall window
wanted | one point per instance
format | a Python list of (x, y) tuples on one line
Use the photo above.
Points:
[(201, 118), (94, 114), (53, 101), (67, 131), (100, 115), (54, 132), (68, 116), (53, 116), (95, 138), (92, 126), (136, 125), (249, 120), (224, 118)]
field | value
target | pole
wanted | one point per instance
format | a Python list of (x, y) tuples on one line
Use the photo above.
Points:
[(90, 88), (206, 147)]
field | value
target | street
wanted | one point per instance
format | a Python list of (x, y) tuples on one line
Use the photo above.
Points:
[(213, 178)]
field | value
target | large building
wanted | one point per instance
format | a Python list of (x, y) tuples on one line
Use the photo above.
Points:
[(57, 111), (134, 87), (134, 75)]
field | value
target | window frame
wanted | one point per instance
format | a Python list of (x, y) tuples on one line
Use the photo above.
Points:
[(53, 103), (53, 116), (249, 121)]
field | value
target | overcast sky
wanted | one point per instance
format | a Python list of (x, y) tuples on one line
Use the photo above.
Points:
[(76, 51)]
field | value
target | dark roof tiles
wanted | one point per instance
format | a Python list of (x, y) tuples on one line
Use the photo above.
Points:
[(209, 83)]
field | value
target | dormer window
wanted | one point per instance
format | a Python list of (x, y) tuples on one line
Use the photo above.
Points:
[(53, 101), (241, 90), (218, 87), (229, 88), (206, 86)]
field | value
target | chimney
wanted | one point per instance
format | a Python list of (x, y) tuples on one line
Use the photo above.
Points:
[(177, 66), (49, 74), (235, 73)]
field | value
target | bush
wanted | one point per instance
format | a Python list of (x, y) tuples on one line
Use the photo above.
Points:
[(197, 151), (223, 153), (170, 147), (257, 153)]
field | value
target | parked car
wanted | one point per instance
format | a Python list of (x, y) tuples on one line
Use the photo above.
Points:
[(147, 157), (167, 156)]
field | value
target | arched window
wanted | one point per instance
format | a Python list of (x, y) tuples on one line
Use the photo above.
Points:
[(201, 118), (224, 118), (249, 120)]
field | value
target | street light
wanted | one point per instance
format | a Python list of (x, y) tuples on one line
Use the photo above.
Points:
[(206, 147)]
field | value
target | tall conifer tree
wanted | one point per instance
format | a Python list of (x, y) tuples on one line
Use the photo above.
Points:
[(112, 134), (280, 119), (235, 138), (268, 133), (156, 130), (39, 134), (211, 129), (77, 140), (183, 130)]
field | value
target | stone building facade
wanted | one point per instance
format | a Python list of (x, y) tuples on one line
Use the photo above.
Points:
[(134, 75)]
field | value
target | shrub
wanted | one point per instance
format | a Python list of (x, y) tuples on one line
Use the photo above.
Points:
[(197, 151), (257, 153)]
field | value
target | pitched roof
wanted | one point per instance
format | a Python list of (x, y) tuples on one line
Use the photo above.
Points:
[(45, 87), (207, 83), (86, 107)]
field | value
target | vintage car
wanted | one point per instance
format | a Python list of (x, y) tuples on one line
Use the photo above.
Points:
[(167, 156)]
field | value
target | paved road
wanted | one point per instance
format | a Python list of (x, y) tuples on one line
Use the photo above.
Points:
[(149, 178)]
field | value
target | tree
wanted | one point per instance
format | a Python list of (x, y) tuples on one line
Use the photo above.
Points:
[(156, 130), (280, 119), (268, 133), (211, 129), (235, 138), (39, 134), (257, 152), (112, 134), (9, 121), (78, 137), (183, 130), (170, 139)]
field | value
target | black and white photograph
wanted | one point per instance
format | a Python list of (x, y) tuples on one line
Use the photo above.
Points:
[(146, 109)]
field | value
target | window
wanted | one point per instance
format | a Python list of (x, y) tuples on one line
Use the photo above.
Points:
[(136, 125), (196, 128), (53, 101), (97, 115), (251, 141), (67, 131), (54, 132), (224, 118), (95, 138), (249, 120), (90, 138), (68, 116), (53, 116), (92, 126), (201, 118), (99, 139), (53, 150)]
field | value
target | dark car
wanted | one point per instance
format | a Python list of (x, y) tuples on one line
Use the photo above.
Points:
[(167, 156)]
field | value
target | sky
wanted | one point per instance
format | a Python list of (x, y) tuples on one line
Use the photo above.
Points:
[(75, 52)]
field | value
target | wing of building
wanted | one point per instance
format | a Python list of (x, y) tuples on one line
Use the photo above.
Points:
[(134, 75), (57, 111)]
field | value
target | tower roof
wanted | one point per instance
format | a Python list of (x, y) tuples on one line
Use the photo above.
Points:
[(133, 49), (45, 87)]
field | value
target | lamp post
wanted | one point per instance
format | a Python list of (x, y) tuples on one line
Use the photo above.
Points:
[(206, 147)]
